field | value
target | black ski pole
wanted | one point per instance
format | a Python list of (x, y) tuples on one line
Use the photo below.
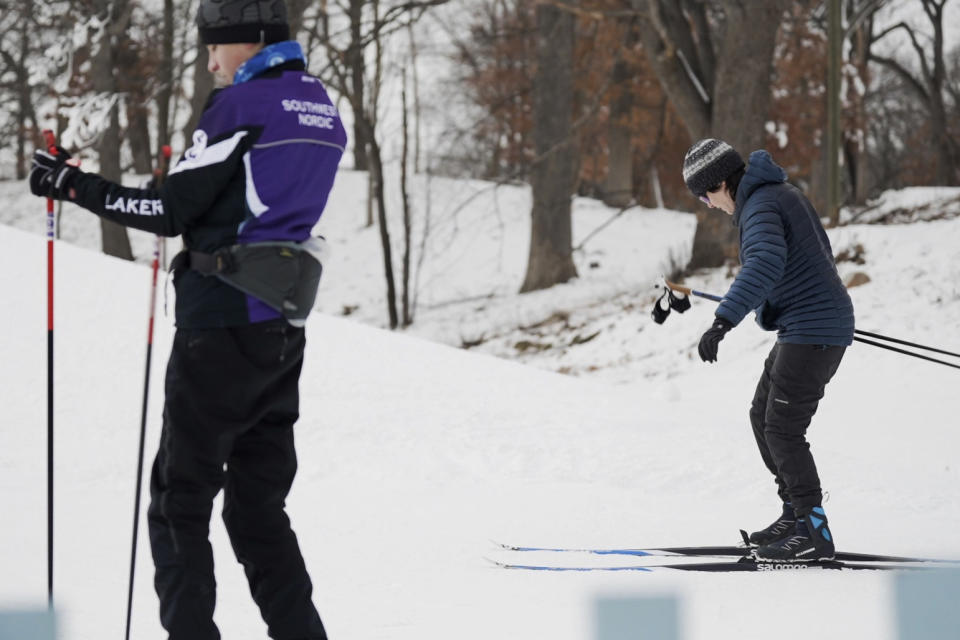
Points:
[(903, 342), (159, 175), (700, 294), (904, 351)]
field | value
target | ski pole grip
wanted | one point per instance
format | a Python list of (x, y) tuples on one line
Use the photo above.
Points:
[(165, 152), (163, 164), (50, 140), (678, 287), (691, 292)]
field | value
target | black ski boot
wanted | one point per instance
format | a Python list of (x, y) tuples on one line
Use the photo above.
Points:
[(811, 541), (779, 529)]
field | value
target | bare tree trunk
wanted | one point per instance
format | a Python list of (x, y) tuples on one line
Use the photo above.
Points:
[(929, 85), (860, 159), (618, 190), (371, 197), (357, 68), (405, 277), (21, 168), (833, 138), (946, 170), (551, 260), (202, 86), (741, 103), (417, 111), (723, 93), (165, 94), (24, 99), (295, 11), (377, 169), (114, 238), (138, 133)]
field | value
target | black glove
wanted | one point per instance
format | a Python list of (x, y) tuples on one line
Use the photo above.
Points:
[(679, 302), (711, 338), (50, 174), (661, 309)]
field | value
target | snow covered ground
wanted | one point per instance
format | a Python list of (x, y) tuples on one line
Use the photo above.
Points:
[(414, 455)]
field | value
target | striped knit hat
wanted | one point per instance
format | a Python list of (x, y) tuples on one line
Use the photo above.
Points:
[(708, 163)]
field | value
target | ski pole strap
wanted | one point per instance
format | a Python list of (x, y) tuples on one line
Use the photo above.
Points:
[(904, 342)]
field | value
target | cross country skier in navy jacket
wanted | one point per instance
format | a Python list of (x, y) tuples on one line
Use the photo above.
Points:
[(789, 278), (261, 166)]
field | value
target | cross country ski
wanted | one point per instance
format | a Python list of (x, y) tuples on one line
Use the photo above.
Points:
[(745, 563), (735, 551)]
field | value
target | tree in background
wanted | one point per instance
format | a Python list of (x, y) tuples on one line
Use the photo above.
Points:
[(714, 61), (349, 31), (20, 25), (930, 85), (165, 75), (112, 19), (494, 70), (647, 77), (554, 167), (630, 145), (715, 79), (618, 182)]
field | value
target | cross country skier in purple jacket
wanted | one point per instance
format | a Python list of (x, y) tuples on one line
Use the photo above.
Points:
[(244, 197)]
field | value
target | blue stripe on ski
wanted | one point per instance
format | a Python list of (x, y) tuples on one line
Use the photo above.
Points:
[(600, 552), (730, 550), (532, 567)]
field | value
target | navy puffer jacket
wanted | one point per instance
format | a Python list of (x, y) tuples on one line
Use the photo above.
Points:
[(788, 275)]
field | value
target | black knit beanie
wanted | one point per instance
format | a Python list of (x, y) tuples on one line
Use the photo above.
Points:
[(708, 163), (232, 21)]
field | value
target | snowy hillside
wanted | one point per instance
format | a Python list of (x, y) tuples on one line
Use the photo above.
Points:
[(414, 455), (473, 260), (468, 268)]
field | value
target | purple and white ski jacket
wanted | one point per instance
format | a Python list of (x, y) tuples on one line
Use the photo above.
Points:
[(263, 160)]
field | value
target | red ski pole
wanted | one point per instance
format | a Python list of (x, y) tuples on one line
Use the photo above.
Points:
[(51, 142), (159, 174)]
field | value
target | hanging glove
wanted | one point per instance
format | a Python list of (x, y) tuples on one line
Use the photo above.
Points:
[(710, 341), (50, 174), (679, 302), (661, 309)]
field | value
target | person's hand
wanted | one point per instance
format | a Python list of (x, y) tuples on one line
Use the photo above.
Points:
[(710, 341), (50, 173)]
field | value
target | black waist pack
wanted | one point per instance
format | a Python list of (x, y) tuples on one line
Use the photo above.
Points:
[(283, 275)]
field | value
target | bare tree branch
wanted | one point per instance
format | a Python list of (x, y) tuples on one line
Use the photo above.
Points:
[(901, 71)]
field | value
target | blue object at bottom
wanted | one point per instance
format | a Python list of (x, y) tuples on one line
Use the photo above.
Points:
[(38, 624), (637, 618)]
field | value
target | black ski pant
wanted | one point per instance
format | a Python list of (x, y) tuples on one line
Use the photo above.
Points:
[(231, 402), (792, 384)]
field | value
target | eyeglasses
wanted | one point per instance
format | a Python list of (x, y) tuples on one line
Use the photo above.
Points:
[(713, 189)]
